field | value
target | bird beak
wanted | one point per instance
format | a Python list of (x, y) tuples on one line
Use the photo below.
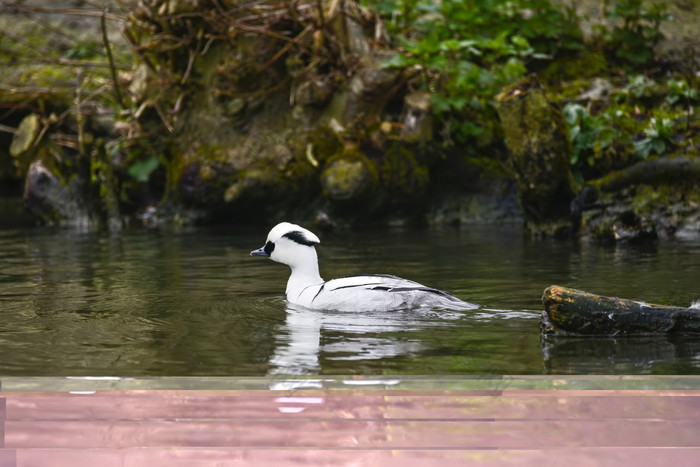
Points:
[(259, 252)]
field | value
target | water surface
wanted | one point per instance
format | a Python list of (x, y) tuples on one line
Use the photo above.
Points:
[(193, 302)]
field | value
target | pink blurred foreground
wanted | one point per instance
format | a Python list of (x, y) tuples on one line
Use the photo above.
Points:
[(349, 427)]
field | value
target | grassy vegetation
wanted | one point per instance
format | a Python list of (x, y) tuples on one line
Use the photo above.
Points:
[(465, 52)]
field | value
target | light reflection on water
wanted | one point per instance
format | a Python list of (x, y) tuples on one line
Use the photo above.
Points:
[(194, 302)]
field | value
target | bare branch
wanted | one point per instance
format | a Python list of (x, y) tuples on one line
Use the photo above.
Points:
[(92, 13), (112, 68)]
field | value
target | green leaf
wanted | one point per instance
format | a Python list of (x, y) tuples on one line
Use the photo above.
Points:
[(643, 147), (452, 44), (440, 104), (659, 146), (459, 102), (572, 112), (574, 131), (606, 135), (438, 62), (520, 42), (397, 61), (142, 170)]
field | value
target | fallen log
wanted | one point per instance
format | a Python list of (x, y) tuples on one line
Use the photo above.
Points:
[(669, 170), (574, 312)]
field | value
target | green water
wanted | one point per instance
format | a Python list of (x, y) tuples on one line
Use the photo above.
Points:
[(193, 302)]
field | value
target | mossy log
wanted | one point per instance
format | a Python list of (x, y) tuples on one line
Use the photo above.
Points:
[(652, 172), (571, 312)]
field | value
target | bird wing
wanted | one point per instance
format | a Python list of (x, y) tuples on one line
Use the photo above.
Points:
[(382, 282)]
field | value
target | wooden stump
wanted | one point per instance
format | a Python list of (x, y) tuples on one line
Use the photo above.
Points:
[(572, 312)]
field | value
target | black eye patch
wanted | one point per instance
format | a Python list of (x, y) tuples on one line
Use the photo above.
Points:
[(299, 238), (269, 248)]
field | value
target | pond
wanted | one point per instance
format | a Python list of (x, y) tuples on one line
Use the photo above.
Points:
[(194, 302)]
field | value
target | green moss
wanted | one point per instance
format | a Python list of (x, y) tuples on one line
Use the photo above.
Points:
[(489, 165), (349, 177), (528, 119), (570, 90), (315, 145), (649, 199), (585, 65), (401, 174)]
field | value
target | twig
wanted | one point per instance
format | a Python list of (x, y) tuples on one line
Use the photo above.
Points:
[(63, 62), (117, 91), (7, 129), (210, 41), (41, 134), (29, 90), (190, 62), (135, 47), (83, 101), (260, 30), (162, 117), (261, 92), (178, 104), (79, 114), (321, 20), (286, 48), (62, 11)]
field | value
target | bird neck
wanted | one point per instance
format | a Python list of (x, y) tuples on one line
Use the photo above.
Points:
[(304, 273)]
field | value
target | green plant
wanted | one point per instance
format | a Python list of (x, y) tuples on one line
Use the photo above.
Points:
[(680, 93), (467, 51), (636, 31), (659, 138), (589, 135), (639, 86)]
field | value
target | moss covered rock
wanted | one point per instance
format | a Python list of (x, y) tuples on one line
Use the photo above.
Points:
[(539, 148), (403, 177), (349, 178), (53, 199)]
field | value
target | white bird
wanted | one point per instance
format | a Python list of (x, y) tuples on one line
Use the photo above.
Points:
[(293, 245)]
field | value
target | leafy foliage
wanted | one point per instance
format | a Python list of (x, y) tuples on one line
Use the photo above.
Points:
[(141, 170), (680, 93), (467, 51), (589, 136), (636, 31), (659, 138)]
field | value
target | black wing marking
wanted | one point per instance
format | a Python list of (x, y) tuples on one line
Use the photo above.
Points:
[(319, 291), (387, 288)]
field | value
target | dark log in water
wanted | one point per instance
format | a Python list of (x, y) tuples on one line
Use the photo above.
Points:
[(571, 311)]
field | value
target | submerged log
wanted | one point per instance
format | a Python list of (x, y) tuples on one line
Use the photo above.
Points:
[(574, 312)]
